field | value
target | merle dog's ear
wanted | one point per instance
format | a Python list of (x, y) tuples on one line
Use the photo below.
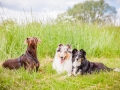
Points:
[(69, 46), (83, 51), (60, 45), (26, 41), (74, 51)]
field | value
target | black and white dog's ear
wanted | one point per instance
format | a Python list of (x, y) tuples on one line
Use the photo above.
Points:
[(83, 51), (74, 51)]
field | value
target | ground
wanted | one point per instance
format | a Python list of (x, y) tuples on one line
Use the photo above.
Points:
[(48, 79)]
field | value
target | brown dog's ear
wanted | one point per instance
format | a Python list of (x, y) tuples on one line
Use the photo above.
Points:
[(69, 46), (26, 41), (38, 41)]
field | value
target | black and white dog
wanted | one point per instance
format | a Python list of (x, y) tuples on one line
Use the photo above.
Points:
[(81, 65)]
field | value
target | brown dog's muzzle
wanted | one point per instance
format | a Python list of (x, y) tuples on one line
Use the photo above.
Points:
[(32, 42)]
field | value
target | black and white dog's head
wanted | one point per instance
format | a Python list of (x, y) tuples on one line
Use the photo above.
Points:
[(77, 57)]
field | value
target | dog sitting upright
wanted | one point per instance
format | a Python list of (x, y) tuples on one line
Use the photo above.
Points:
[(81, 65), (63, 59), (28, 60)]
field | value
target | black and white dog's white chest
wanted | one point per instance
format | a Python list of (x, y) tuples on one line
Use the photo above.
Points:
[(76, 67), (77, 57)]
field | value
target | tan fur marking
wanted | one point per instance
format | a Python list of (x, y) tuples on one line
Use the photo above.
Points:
[(67, 56)]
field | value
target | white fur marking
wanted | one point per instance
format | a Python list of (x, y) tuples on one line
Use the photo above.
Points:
[(117, 69), (66, 65)]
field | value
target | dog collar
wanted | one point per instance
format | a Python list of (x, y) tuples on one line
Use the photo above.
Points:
[(19, 61), (36, 60)]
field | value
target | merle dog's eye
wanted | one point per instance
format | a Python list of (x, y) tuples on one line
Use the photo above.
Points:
[(58, 50)]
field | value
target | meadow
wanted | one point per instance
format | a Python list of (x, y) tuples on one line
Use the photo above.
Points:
[(100, 42)]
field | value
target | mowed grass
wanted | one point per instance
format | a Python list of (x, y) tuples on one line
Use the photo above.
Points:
[(101, 44), (47, 79)]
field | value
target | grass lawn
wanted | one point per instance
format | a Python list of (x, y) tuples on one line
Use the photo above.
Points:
[(47, 79)]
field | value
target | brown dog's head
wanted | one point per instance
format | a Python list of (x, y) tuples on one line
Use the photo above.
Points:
[(32, 41)]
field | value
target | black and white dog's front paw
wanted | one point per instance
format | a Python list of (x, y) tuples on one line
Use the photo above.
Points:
[(76, 72)]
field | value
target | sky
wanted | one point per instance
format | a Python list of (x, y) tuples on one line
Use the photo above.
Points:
[(41, 9)]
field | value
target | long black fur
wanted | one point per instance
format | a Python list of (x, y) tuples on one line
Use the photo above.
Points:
[(87, 66)]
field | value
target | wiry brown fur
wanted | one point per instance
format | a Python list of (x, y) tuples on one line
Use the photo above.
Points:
[(28, 60)]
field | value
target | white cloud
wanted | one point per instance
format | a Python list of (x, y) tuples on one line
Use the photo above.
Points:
[(20, 16), (38, 5), (71, 3), (118, 1), (42, 9), (118, 12), (118, 17)]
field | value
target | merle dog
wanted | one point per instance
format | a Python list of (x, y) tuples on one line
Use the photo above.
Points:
[(82, 65), (28, 60)]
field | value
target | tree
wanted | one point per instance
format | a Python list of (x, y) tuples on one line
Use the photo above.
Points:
[(93, 11)]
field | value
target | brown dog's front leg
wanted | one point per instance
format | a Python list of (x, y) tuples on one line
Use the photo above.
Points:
[(37, 66)]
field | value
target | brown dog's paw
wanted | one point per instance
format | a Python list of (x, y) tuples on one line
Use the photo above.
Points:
[(41, 71)]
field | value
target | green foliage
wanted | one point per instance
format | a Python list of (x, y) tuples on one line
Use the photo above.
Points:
[(97, 41), (93, 11), (49, 80)]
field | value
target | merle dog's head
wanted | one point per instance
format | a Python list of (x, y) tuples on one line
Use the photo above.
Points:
[(64, 52), (78, 55)]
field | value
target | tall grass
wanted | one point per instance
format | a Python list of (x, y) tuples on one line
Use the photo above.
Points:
[(98, 41)]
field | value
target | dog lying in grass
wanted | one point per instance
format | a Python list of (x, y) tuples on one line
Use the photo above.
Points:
[(28, 60), (63, 59), (82, 65)]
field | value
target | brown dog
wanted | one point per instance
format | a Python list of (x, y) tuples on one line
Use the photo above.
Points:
[(28, 60)]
